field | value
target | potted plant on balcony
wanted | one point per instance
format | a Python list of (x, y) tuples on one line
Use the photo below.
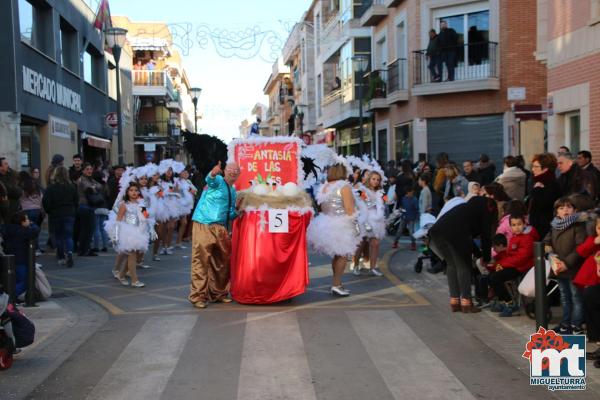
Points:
[(376, 86)]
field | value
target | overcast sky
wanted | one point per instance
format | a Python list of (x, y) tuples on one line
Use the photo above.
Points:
[(230, 86)]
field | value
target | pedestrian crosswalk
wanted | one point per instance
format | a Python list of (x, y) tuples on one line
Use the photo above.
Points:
[(265, 355)]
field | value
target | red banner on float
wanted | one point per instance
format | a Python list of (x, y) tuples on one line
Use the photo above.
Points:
[(268, 162)]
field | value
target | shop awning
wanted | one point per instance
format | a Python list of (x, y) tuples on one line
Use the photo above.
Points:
[(148, 43), (96, 141)]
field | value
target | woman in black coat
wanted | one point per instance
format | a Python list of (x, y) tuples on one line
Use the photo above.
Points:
[(544, 193), (451, 238)]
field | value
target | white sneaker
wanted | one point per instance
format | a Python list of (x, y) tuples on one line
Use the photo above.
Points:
[(155, 258), (340, 291), (376, 272), (137, 284), (143, 266), (62, 261), (180, 246), (163, 251), (169, 251), (115, 274), (356, 270), (123, 281)]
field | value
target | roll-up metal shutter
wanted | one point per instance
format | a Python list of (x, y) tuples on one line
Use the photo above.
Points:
[(465, 138)]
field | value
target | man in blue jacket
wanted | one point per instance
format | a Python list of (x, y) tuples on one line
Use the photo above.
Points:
[(211, 244)]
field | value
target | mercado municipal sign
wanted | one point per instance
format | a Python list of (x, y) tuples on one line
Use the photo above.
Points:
[(47, 89)]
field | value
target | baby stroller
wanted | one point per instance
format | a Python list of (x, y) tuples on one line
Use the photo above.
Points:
[(16, 331), (7, 337), (394, 221), (426, 221)]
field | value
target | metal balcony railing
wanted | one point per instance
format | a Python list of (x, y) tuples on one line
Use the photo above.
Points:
[(154, 128), (397, 75), (471, 61), (376, 84), (154, 78)]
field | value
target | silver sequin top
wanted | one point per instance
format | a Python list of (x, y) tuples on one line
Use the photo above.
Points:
[(334, 204), (132, 214)]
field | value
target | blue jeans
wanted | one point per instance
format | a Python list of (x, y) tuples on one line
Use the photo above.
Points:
[(571, 301), (410, 225), (100, 233), (62, 230)]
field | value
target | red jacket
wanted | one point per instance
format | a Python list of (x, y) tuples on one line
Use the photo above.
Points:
[(519, 253), (587, 274)]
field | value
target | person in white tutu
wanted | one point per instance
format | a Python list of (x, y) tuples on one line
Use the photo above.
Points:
[(171, 204), (132, 233), (160, 212), (371, 219), (187, 192), (337, 218)]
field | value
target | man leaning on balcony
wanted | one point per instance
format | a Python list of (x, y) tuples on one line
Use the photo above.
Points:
[(448, 45)]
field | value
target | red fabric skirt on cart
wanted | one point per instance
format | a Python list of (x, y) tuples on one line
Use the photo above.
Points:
[(268, 267)]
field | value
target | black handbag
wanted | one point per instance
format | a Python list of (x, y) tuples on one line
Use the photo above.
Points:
[(95, 199)]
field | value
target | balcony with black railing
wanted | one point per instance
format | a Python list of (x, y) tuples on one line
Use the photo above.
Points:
[(376, 83), (374, 11), (462, 68), (397, 89)]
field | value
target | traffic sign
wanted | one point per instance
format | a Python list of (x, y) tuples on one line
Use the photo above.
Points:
[(111, 120)]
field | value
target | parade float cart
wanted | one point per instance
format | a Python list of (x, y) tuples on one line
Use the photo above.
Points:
[(269, 258)]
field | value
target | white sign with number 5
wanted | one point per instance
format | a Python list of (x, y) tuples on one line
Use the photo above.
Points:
[(278, 221)]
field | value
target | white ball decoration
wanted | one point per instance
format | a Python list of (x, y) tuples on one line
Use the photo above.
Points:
[(260, 189), (290, 189)]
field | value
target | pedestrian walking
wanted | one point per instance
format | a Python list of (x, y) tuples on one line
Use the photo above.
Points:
[(211, 243), (90, 197), (61, 202), (337, 217)]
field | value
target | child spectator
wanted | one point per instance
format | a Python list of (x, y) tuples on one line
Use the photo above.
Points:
[(566, 233), (411, 213), (425, 198), (499, 246), (17, 236), (510, 264)]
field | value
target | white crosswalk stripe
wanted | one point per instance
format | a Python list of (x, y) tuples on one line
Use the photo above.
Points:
[(406, 364), (274, 364), (146, 364)]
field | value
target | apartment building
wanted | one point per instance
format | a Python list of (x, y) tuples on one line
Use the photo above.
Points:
[(494, 103), (162, 104), (58, 85), (280, 90), (569, 43)]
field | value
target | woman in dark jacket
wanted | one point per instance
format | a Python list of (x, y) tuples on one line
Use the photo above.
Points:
[(544, 193), (61, 202), (451, 238)]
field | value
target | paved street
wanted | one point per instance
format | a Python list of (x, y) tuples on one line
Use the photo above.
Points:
[(392, 339)]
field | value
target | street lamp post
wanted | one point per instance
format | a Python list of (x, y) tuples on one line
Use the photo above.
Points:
[(116, 39), (360, 64), (195, 91)]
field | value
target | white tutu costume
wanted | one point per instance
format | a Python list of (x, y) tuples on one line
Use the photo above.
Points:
[(171, 199), (333, 232), (133, 232), (186, 201), (157, 204), (371, 213)]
